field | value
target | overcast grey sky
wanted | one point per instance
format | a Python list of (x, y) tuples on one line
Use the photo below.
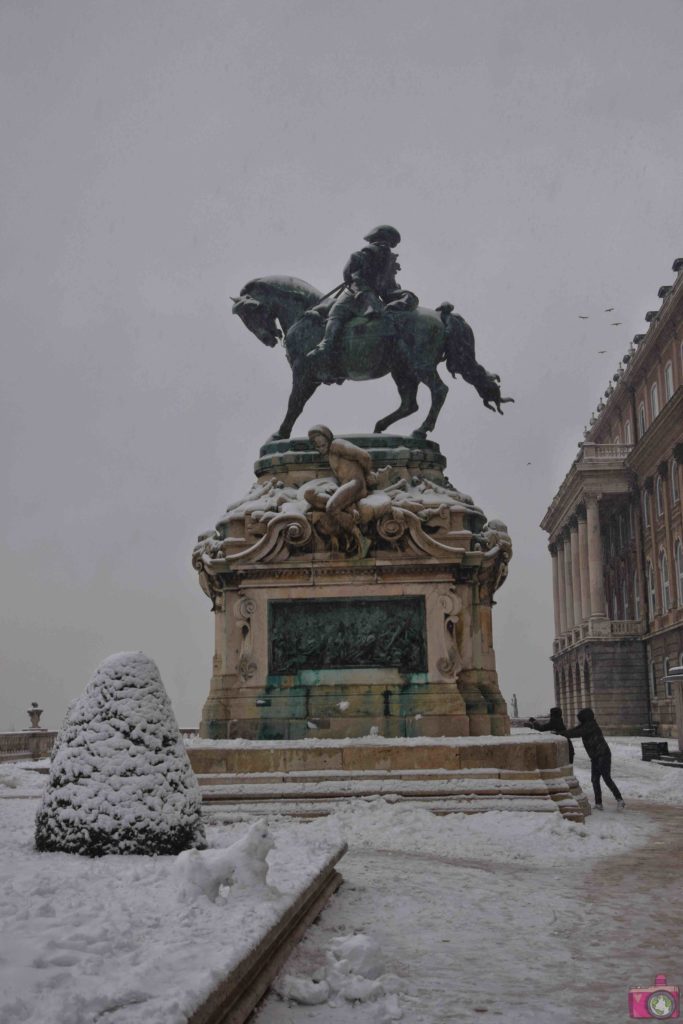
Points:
[(156, 155)]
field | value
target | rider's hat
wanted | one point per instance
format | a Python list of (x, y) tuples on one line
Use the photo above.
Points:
[(445, 307), (384, 233)]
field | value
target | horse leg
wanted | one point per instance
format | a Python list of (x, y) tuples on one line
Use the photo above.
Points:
[(438, 391), (407, 390), (303, 386)]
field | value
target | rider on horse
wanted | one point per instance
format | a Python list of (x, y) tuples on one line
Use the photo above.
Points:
[(369, 285)]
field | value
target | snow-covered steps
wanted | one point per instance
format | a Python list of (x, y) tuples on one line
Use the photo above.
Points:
[(447, 774), (312, 794)]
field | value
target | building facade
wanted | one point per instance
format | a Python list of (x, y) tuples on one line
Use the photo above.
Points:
[(616, 539)]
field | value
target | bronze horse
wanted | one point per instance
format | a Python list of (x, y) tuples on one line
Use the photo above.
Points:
[(407, 345)]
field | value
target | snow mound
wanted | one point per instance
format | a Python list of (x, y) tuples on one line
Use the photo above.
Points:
[(244, 864), (354, 971), (120, 780)]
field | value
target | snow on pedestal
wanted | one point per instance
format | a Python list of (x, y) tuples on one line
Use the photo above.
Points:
[(120, 780)]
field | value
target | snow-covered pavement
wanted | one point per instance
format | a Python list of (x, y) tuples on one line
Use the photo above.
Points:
[(508, 915), (504, 916)]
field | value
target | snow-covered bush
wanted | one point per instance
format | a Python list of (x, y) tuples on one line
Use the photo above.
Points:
[(120, 779)]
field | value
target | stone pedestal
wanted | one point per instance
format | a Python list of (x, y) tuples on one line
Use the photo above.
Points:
[(378, 620)]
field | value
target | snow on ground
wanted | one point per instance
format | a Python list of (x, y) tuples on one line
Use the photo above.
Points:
[(511, 914), (129, 940)]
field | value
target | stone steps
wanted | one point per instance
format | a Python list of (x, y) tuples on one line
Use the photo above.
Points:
[(312, 794)]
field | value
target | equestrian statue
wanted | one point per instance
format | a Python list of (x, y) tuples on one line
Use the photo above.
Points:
[(367, 327)]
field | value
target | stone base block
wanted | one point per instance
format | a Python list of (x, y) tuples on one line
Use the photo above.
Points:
[(445, 775)]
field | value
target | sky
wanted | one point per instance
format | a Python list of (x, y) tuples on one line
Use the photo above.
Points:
[(156, 156)]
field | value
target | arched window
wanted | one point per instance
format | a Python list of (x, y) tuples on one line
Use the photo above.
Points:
[(668, 381), (636, 596), (675, 494), (651, 592), (628, 433), (654, 400), (617, 440), (624, 599), (678, 556), (646, 510), (615, 605), (642, 422), (659, 497), (667, 681), (664, 576)]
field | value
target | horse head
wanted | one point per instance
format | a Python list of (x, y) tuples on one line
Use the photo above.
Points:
[(257, 317)]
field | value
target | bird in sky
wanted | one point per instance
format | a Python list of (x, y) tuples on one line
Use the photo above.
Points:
[(528, 463), (601, 351), (610, 309), (617, 323), (582, 317)]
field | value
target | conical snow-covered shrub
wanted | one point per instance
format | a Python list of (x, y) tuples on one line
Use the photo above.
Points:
[(120, 779)]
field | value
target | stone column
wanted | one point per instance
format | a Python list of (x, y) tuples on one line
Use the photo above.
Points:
[(576, 569), (583, 559), (552, 548), (561, 590), (596, 586), (568, 589), (663, 470)]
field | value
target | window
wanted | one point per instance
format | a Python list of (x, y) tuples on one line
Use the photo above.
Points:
[(624, 599), (628, 433), (675, 495), (667, 681), (642, 424), (678, 557), (668, 381), (654, 400), (664, 577), (636, 596), (646, 510), (651, 592), (631, 531), (659, 499), (615, 605), (617, 440), (653, 680)]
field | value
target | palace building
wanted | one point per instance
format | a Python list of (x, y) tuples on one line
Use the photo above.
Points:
[(616, 539)]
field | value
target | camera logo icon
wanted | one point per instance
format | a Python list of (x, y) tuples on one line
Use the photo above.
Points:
[(661, 1002)]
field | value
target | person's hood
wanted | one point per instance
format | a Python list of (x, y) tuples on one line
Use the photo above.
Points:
[(586, 715), (556, 715)]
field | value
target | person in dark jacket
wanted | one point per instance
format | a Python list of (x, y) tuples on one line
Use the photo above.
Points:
[(554, 724), (600, 754)]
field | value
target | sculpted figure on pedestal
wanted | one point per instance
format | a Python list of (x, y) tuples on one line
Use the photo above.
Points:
[(352, 468), (369, 287), (364, 329)]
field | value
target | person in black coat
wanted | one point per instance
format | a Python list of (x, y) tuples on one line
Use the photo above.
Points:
[(554, 724), (600, 754)]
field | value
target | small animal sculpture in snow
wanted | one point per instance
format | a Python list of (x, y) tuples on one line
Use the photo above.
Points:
[(243, 864)]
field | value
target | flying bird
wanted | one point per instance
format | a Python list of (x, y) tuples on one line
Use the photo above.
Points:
[(617, 323), (583, 317), (610, 309), (601, 351)]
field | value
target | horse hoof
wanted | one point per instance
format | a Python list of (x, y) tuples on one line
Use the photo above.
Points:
[(420, 434), (275, 437), (379, 429)]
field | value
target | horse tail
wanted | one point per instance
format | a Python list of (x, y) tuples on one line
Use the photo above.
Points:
[(459, 343)]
